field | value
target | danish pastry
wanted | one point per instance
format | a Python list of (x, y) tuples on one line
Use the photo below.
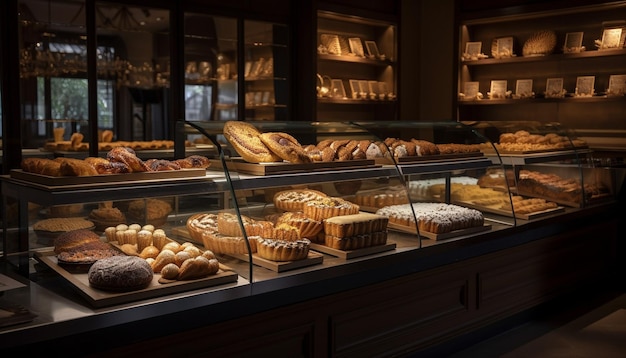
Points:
[(245, 139), (127, 156)]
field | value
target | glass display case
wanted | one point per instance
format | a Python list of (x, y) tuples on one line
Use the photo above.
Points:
[(386, 188), (552, 163)]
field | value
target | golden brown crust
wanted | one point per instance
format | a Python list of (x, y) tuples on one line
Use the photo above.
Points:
[(105, 166), (294, 199), (76, 140), (193, 161), (107, 136), (158, 165), (76, 167), (285, 146), (424, 147), (308, 227), (41, 166), (127, 156), (281, 250), (245, 139)]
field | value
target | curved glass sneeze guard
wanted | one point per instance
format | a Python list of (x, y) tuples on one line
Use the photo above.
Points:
[(397, 183), (255, 186), (551, 162), (454, 165)]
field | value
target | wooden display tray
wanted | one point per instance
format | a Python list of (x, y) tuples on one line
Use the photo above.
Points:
[(496, 210), (105, 178), (438, 157), (428, 158), (434, 236), (313, 258), (273, 168), (490, 151), (100, 298), (571, 204), (351, 254)]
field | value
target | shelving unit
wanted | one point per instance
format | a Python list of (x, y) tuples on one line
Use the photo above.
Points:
[(592, 116), (356, 65)]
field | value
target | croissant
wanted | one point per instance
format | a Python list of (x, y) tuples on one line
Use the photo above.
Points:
[(197, 268), (163, 258)]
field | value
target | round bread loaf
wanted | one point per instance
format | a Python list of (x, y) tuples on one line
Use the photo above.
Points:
[(120, 273)]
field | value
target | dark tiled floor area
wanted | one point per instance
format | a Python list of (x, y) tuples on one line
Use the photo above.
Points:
[(586, 327)]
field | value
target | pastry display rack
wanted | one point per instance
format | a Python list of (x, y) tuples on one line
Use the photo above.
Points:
[(561, 65), (548, 161), (438, 166), (356, 67)]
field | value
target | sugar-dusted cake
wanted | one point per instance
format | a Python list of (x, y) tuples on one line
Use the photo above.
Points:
[(323, 208), (436, 218), (281, 250)]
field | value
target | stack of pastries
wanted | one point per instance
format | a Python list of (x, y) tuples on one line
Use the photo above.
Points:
[(118, 160)]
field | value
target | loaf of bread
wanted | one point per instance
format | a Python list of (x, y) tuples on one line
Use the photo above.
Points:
[(355, 224), (357, 241), (120, 273), (82, 246)]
